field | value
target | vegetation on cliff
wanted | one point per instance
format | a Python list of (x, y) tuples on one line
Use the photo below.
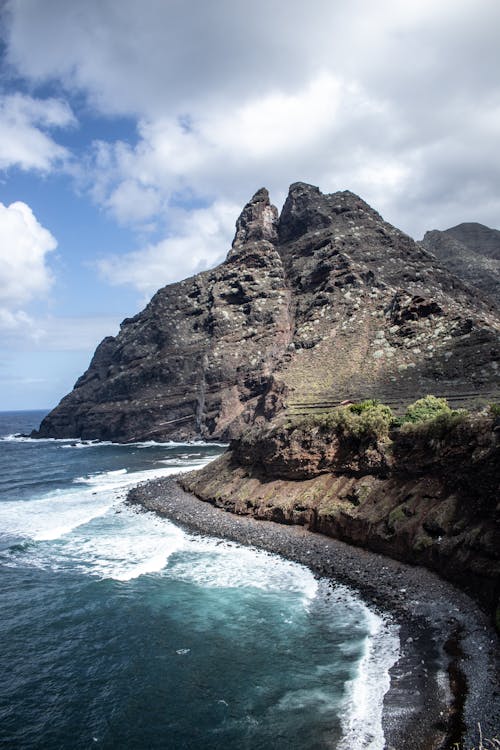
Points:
[(422, 491), (367, 421)]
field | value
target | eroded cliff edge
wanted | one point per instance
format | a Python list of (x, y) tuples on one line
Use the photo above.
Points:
[(326, 301), (427, 494)]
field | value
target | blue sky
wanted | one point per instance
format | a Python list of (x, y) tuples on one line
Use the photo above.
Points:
[(132, 133)]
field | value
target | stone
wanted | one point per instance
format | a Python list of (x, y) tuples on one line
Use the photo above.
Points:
[(290, 317)]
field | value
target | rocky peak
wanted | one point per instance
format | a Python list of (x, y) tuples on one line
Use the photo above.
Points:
[(331, 303), (258, 221), (307, 210)]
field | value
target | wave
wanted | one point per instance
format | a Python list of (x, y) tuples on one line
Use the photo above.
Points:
[(50, 517), (123, 479), (124, 545), (212, 563), (62, 510), (16, 438), (362, 725), (80, 443), (86, 526)]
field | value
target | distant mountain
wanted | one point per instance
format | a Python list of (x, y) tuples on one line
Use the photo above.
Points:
[(472, 252), (324, 303)]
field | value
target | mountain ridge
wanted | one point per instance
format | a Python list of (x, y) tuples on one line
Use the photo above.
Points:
[(323, 302), (471, 251)]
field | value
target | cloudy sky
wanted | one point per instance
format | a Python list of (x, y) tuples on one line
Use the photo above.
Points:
[(133, 131)]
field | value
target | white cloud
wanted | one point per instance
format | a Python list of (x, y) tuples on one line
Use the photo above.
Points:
[(25, 279), (23, 142), (130, 202), (75, 334), (14, 321), (24, 245), (395, 101), (24, 273), (200, 240), (20, 332)]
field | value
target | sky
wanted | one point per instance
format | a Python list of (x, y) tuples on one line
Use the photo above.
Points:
[(132, 132)]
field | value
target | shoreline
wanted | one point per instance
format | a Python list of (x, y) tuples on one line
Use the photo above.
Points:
[(446, 680)]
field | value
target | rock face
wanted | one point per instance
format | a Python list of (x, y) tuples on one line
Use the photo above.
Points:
[(323, 303), (200, 357), (472, 252), (427, 496)]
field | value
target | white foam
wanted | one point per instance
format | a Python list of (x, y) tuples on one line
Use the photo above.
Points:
[(124, 546), (103, 477), (122, 479), (78, 443), (216, 564), (16, 438), (317, 699), (61, 511), (362, 724), (174, 444), (52, 516), (121, 544), (90, 529)]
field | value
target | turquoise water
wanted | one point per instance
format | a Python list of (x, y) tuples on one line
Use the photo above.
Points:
[(120, 630)]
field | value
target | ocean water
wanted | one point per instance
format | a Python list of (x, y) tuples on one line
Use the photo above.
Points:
[(120, 630)]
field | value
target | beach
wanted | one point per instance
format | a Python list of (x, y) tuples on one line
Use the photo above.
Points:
[(446, 680)]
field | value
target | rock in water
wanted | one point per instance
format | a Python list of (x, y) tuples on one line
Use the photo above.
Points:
[(326, 302)]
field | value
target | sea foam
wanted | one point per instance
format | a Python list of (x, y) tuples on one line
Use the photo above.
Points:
[(362, 725)]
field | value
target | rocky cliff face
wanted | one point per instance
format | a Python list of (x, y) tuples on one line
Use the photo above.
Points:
[(199, 359), (323, 303), (472, 252), (427, 496)]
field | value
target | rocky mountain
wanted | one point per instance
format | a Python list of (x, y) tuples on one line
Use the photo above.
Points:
[(323, 303), (472, 252)]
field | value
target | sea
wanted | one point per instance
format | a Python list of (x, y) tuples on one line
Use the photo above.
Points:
[(118, 629)]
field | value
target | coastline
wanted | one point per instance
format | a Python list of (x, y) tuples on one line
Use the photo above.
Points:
[(446, 680)]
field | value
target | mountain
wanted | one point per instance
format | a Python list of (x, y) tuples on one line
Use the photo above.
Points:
[(323, 303), (472, 252)]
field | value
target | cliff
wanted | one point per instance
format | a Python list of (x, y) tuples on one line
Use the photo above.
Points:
[(425, 493), (322, 303)]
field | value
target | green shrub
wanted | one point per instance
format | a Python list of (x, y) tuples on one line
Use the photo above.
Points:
[(494, 410), (439, 427), (426, 408), (372, 421), (367, 421), (362, 406)]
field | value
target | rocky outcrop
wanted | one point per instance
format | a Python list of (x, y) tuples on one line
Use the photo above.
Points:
[(199, 360), (429, 495), (472, 252), (323, 303)]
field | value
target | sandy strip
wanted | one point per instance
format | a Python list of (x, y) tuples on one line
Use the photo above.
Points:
[(445, 639)]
